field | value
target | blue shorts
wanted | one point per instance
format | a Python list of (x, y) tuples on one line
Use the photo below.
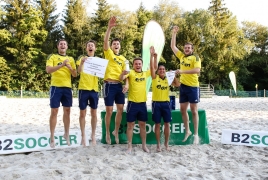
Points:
[(61, 95), (189, 94), (161, 110), (86, 97), (112, 92), (136, 111)]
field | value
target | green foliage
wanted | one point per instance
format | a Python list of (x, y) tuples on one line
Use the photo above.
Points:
[(29, 30)]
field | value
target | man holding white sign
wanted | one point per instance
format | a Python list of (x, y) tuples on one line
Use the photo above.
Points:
[(88, 93), (160, 100)]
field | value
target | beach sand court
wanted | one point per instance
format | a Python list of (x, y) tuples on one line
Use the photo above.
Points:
[(208, 161)]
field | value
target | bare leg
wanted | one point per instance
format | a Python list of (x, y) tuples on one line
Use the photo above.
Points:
[(109, 111), (194, 111), (118, 119), (157, 136), (130, 127), (93, 125), (167, 133), (185, 118), (66, 122), (82, 126), (143, 135), (52, 125)]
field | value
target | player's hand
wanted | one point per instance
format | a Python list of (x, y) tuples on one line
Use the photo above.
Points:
[(83, 60), (112, 22), (177, 72), (125, 72), (175, 29), (125, 88)]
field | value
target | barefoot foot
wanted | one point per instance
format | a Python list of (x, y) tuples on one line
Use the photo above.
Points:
[(116, 137), (52, 144), (66, 137), (93, 142), (145, 149), (158, 148), (196, 139), (186, 136), (108, 139)]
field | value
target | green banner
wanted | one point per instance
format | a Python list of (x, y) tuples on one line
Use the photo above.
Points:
[(176, 129)]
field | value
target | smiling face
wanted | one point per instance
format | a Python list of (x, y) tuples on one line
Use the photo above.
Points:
[(62, 47), (116, 46), (91, 48), (137, 65), (188, 49), (161, 71)]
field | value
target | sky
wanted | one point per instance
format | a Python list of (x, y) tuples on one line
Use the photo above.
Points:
[(252, 10)]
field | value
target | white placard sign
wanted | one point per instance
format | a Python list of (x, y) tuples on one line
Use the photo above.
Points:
[(170, 76), (95, 66), (245, 137), (37, 142)]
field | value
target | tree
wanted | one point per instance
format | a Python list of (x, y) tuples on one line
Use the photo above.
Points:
[(76, 27), (167, 13), (228, 45), (50, 24), (255, 66), (25, 25)]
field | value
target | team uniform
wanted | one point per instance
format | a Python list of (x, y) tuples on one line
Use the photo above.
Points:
[(136, 108), (60, 89), (160, 104), (189, 88), (112, 91), (88, 89)]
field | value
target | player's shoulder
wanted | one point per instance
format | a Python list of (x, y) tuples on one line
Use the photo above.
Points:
[(50, 56)]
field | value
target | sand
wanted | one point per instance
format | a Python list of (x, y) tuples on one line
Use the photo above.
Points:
[(208, 161)]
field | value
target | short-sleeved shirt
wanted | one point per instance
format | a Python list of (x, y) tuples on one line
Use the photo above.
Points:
[(61, 77), (188, 63), (137, 86), (87, 81), (115, 65), (160, 89)]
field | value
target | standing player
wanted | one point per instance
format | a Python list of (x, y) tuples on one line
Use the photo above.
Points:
[(61, 67), (190, 66), (160, 100), (113, 89), (88, 94), (136, 107)]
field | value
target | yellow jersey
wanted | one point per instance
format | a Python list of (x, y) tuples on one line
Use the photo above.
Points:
[(61, 77), (137, 86), (160, 89), (188, 63), (87, 81), (115, 65)]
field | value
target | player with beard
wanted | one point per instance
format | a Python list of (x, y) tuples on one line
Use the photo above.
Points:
[(137, 97), (190, 66), (160, 99), (61, 67), (113, 91), (88, 94)]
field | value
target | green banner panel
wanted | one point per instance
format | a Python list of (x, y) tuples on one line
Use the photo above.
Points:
[(176, 129)]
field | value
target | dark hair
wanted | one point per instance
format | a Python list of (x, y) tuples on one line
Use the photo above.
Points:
[(115, 39), (61, 40), (137, 58), (160, 64), (189, 43), (91, 41)]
